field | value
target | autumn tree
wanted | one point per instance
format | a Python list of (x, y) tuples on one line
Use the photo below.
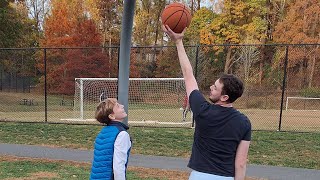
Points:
[(15, 26), (195, 5), (301, 26), (16, 30), (146, 32), (239, 22), (107, 15), (69, 26), (200, 20), (168, 64), (277, 10), (38, 10), (147, 22)]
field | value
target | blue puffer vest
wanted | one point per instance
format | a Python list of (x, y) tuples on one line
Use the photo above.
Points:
[(103, 151)]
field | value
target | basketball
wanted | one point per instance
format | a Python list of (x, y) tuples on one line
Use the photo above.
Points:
[(177, 16)]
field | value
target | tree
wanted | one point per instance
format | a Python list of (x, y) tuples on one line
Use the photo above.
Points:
[(200, 20), (68, 26), (237, 21), (277, 10), (147, 22), (168, 64), (147, 31), (16, 28), (38, 10), (107, 15), (301, 26)]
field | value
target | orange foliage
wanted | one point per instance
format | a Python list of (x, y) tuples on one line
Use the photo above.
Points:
[(67, 26)]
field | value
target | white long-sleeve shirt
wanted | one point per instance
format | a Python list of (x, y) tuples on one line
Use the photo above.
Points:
[(120, 155)]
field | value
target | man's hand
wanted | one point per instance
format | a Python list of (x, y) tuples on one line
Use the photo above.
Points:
[(175, 37)]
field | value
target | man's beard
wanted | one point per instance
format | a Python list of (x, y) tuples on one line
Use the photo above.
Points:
[(214, 100)]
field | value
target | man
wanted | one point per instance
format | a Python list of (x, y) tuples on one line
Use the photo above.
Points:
[(222, 134)]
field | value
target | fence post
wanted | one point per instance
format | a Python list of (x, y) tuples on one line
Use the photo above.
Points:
[(283, 85), (196, 63), (45, 87), (1, 79), (196, 75)]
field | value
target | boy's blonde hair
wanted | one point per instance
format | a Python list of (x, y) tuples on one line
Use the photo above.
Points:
[(104, 109)]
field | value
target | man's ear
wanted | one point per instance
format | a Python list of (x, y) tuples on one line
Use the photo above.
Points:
[(111, 116), (224, 98)]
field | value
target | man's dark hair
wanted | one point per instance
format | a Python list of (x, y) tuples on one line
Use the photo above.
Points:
[(232, 86)]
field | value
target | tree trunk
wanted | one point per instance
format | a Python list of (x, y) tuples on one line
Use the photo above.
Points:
[(313, 64), (228, 60), (192, 8), (110, 56), (104, 34), (198, 8), (303, 69), (162, 4), (261, 71), (261, 63)]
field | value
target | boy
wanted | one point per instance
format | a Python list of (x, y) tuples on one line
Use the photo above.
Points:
[(112, 145)]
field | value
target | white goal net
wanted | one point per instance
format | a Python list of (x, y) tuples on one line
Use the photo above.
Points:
[(303, 103), (152, 101)]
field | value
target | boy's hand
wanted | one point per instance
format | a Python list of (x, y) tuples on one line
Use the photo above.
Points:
[(175, 37)]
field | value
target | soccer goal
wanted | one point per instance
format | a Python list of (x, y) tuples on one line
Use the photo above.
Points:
[(151, 100), (303, 103)]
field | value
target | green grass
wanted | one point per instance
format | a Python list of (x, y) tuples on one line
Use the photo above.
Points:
[(25, 168), (152, 111), (39, 169), (300, 150), (12, 102)]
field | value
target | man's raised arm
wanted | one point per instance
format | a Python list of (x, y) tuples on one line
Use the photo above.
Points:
[(190, 80)]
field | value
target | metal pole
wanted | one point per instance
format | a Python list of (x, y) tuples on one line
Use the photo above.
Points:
[(124, 59), (81, 99), (195, 75), (283, 86), (1, 78), (45, 87), (197, 61)]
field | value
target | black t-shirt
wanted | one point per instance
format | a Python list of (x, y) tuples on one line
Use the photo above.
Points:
[(218, 132)]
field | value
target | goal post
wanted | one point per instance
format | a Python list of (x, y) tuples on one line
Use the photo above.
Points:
[(151, 100), (303, 103), (89, 89)]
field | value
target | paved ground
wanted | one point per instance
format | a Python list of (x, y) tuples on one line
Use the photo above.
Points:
[(160, 162)]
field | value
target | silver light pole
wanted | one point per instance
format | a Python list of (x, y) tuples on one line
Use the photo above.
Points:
[(124, 58)]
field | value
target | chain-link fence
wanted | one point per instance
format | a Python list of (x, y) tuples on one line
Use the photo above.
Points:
[(282, 87)]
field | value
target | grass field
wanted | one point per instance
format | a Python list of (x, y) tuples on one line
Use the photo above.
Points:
[(301, 150), (15, 168), (302, 121), (141, 114), (31, 169)]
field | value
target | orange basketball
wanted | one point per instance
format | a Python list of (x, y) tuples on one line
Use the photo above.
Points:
[(177, 16)]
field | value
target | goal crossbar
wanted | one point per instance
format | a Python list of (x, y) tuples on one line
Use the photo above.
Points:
[(131, 79), (82, 88), (297, 97)]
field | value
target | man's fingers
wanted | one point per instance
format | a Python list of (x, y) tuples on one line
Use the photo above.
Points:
[(184, 30), (169, 30), (164, 28)]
